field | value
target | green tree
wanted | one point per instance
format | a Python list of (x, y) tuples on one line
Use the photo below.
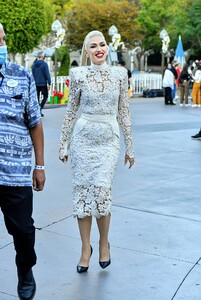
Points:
[(188, 24), (64, 59), (25, 23), (178, 17), (152, 18), (87, 15)]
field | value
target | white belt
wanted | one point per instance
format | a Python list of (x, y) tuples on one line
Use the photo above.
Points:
[(111, 119), (99, 118)]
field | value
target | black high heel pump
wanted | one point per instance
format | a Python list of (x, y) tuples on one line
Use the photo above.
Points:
[(105, 264), (81, 269)]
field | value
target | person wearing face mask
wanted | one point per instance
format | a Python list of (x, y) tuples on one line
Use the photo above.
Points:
[(21, 130), (168, 84), (92, 140)]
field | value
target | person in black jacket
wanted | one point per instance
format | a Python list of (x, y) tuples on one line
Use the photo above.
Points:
[(42, 78), (130, 80), (184, 85), (174, 71)]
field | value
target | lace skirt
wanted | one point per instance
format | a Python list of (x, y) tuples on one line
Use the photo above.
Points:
[(94, 153)]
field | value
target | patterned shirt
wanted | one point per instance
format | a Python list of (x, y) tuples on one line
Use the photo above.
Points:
[(19, 111)]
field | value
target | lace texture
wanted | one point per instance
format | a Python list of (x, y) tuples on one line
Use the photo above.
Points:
[(100, 94)]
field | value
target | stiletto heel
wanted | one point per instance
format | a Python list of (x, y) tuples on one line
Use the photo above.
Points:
[(105, 264), (81, 269)]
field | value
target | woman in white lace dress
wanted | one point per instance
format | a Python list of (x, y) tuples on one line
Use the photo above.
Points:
[(91, 137)]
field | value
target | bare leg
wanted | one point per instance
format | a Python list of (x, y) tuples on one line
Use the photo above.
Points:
[(103, 226), (85, 230)]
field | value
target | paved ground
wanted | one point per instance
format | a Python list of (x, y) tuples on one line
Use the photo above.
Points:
[(155, 231)]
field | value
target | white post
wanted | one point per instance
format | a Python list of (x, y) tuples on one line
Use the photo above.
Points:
[(26, 60)]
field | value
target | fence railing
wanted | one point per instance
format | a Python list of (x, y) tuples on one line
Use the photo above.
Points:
[(60, 84), (142, 81)]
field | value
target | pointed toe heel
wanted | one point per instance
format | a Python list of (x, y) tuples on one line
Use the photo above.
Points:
[(105, 264), (81, 269)]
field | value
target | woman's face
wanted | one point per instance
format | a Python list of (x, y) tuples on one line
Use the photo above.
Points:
[(97, 50)]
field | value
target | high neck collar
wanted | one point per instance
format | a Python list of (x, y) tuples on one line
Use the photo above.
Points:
[(99, 67)]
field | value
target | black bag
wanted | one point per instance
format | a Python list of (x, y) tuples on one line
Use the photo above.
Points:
[(180, 79), (150, 93)]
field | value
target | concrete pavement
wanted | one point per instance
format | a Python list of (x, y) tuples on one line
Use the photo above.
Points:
[(155, 232)]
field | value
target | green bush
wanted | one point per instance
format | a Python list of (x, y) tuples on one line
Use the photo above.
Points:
[(64, 58)]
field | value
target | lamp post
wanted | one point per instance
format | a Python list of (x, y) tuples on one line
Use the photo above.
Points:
[(56, 27), (112, 30), (113, 46), (165, 42)]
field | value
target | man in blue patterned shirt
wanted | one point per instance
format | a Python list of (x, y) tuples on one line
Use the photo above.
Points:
[(20, 131)]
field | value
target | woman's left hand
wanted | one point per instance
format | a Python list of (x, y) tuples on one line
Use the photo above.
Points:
[(130, 160)]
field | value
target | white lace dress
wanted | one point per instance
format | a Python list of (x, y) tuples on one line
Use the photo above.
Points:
[(91, 134)]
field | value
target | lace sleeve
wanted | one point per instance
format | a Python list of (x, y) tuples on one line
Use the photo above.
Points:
[(70, 116), (124, 117)]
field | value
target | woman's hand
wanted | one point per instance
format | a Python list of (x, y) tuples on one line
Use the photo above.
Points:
[(129, 160), (64, 159)]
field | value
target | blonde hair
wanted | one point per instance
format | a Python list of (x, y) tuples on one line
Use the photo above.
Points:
[(84, 60)]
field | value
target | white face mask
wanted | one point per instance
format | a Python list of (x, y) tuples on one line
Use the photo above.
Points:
[(3, 54)]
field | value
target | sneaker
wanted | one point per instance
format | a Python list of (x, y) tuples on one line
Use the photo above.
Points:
[(197, 136), (187, 104), (181, 104), (194, 105), (199, 105)]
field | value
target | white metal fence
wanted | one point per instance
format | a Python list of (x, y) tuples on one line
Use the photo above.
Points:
[(60, 84), (142, 81)]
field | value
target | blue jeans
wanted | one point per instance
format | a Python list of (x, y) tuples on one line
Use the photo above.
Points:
[(174, 91)]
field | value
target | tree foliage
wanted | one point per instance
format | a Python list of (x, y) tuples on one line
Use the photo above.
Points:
[(152, 18), (178, 17), (25, 22), (64, 58), (138, 21), (188, 24), (87, 15)]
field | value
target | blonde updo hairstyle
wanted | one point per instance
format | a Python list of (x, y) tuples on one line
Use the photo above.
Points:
[(84, 60)]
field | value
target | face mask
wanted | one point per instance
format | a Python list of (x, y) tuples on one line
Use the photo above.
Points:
[(3, 54)]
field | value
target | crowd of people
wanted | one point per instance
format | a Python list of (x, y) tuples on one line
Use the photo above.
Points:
[(183, 83)]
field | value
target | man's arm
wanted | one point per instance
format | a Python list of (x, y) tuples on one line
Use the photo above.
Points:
[(37, 137)]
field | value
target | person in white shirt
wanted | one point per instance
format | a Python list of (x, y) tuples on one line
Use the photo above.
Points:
[(168, 85), (196, 95)]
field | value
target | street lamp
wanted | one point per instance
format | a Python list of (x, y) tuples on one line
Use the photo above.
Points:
[(165, 42), (113, 46), (112, 30), (56, 28)]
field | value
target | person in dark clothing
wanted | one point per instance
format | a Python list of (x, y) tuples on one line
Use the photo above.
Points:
[(42, 78), (174, 71), (184, 85), (21, 133), (130, 80), (168, 85)]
